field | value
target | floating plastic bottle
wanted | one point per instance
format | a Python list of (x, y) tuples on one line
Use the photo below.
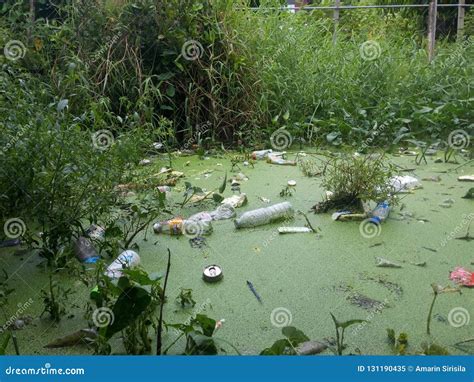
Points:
[(179, 226), (278, 160), (126, 260), (260, 154), (265, 215), (380, 213), (85, 251)]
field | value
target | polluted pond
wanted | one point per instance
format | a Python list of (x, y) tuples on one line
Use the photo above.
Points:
[(268, 253)]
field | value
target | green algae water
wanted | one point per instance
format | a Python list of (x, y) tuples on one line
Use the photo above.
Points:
[(301, 278)]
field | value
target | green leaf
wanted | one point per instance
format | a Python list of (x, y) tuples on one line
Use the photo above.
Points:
[(4, 344), (170, 91), (294, 335), (346, 324), (223, 185), (199, 344), (217, 198), (469, 194), (278, 348), (207, 324), (130, 304)]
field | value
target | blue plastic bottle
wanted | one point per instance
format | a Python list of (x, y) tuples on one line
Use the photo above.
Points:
[(380, 213)]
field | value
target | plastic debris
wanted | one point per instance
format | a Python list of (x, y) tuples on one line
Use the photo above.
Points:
[(179, 226), (462, 276), (434, 178), (157, 145), (283, 230), (10, 243), (224, 211), (254, 291), (292, 183), (263, 199), (76, 338), (265, 215), (126, 260), (380, 213), (236, 201), (273, 159), (466, 178), (346, 215), (85, 251), (95, 232), (404, 184), (219, 324), (261, 154), (164, 189), (447, 203), (212, 273), (311, 348), (144, 162), (384, 263)]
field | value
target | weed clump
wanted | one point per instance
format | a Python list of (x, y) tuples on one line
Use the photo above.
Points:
[(351, 180)]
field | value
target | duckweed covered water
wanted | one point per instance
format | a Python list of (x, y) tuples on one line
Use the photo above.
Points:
[(301, 278)]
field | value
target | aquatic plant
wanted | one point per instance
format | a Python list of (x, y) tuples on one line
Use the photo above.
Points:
[(354, 179), (340, 329)]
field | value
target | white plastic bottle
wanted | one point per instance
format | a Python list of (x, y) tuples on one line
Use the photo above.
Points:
[(127, 259), (265, 215)]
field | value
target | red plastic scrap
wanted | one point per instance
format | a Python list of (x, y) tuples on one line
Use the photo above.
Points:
[(462, 276)]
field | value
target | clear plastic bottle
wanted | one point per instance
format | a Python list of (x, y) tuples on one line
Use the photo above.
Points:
[(127, 259), (265, 215), (85, 251), (278, 160), (261, 154), (380, 213), (179, 226)]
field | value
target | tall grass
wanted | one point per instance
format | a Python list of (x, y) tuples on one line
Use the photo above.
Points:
[(342, 93)]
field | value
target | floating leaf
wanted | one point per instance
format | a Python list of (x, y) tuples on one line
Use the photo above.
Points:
[(469, 194)]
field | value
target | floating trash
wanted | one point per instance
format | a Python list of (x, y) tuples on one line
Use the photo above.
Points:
[(284, 230), (384, 263), (198, 242), (212, 273)]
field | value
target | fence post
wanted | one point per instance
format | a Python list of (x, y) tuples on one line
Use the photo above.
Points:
[(336, 21), (461, 19), (432, 29)]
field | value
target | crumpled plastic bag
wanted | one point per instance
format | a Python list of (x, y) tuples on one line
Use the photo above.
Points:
[(404, 183), (462, 276)]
